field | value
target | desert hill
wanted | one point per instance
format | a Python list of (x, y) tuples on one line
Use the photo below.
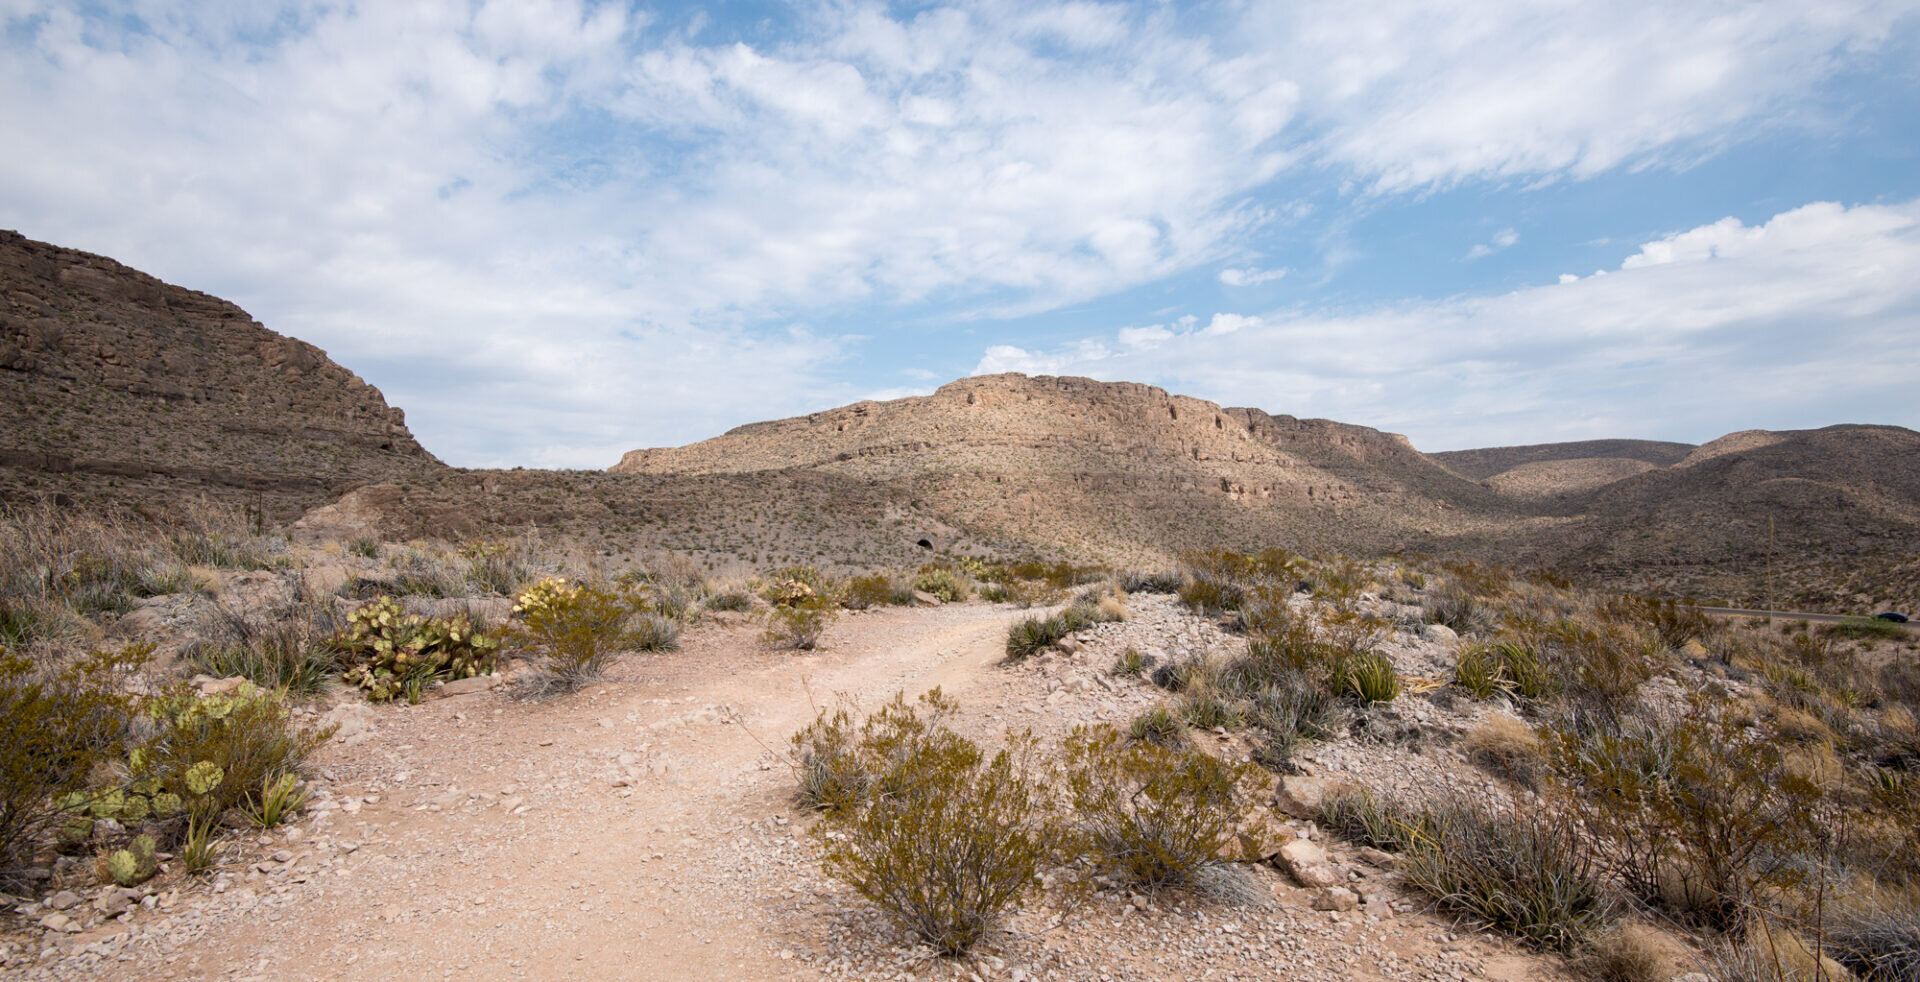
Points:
[(1113, 467), (120, 387), (1841, 506), (1486, 463), (123, 389)]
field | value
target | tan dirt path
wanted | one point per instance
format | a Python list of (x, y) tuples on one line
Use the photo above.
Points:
[(604, 876)]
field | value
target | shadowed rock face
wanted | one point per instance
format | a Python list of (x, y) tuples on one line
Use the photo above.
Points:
[(118, 386)]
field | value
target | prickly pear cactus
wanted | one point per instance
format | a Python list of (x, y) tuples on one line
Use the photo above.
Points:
[(393, 649), (134, 864), (545, 598), (166, 804), (204, 777)]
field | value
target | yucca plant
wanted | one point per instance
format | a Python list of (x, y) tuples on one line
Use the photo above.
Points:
[(1371, 678)]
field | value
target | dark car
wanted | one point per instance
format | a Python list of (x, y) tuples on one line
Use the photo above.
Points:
[(1889, 615)]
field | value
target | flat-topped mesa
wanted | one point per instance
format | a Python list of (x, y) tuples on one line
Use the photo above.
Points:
[(120, 384), (1013, 410)]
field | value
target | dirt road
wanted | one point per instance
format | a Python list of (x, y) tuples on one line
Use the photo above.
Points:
[(597, 836)]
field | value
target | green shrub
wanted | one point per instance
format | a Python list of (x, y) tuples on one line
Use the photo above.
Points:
[(943, 583), (827, 764), (55, 728), (1129, 662), (218, 752), (199, 849), (386, 650), (950, 840), (1033, 634), (279, 799), (872, 590), (580, 629), (1699, 817), (1160, 726), (1155, 816), (365, 546), (799, 626)]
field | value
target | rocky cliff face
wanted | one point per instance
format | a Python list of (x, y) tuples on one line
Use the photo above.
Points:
[(117, 386)]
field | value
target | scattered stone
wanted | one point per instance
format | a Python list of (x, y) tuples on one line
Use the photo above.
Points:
[(468, 687), (925, 599), (64, 900), (1335, 899), (1439, 634)]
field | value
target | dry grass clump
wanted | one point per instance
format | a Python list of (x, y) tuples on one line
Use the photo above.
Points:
[(66, 573), (1508, 747), (1627, 953), (1524, 870)]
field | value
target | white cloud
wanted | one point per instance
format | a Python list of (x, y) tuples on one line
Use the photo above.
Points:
[(1809, 319), (1503, 239), (1250, 276), (607, 224), (1417, 94)]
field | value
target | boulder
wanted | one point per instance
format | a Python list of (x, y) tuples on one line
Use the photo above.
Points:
[(1335, 898), (1300, 796), (1307, 864), (1439, 634)]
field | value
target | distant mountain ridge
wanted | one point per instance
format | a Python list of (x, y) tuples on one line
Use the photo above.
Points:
[(1482, 464)]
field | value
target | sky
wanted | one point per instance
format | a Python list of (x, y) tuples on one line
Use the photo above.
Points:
[(557, 230)]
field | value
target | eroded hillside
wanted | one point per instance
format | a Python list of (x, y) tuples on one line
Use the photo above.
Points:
[(120, 387)]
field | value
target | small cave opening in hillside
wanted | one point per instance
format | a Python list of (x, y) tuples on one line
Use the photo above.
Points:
[(925, 543), (1173, 413)]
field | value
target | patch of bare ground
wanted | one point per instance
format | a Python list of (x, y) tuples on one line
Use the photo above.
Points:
[(644, 828)]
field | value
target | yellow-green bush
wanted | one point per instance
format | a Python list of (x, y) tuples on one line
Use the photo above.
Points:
[(56, 727), (1701, 817), (1155, 816), (948, 838), (580, 628), (942, 582), (219, 752), (799, 626)]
